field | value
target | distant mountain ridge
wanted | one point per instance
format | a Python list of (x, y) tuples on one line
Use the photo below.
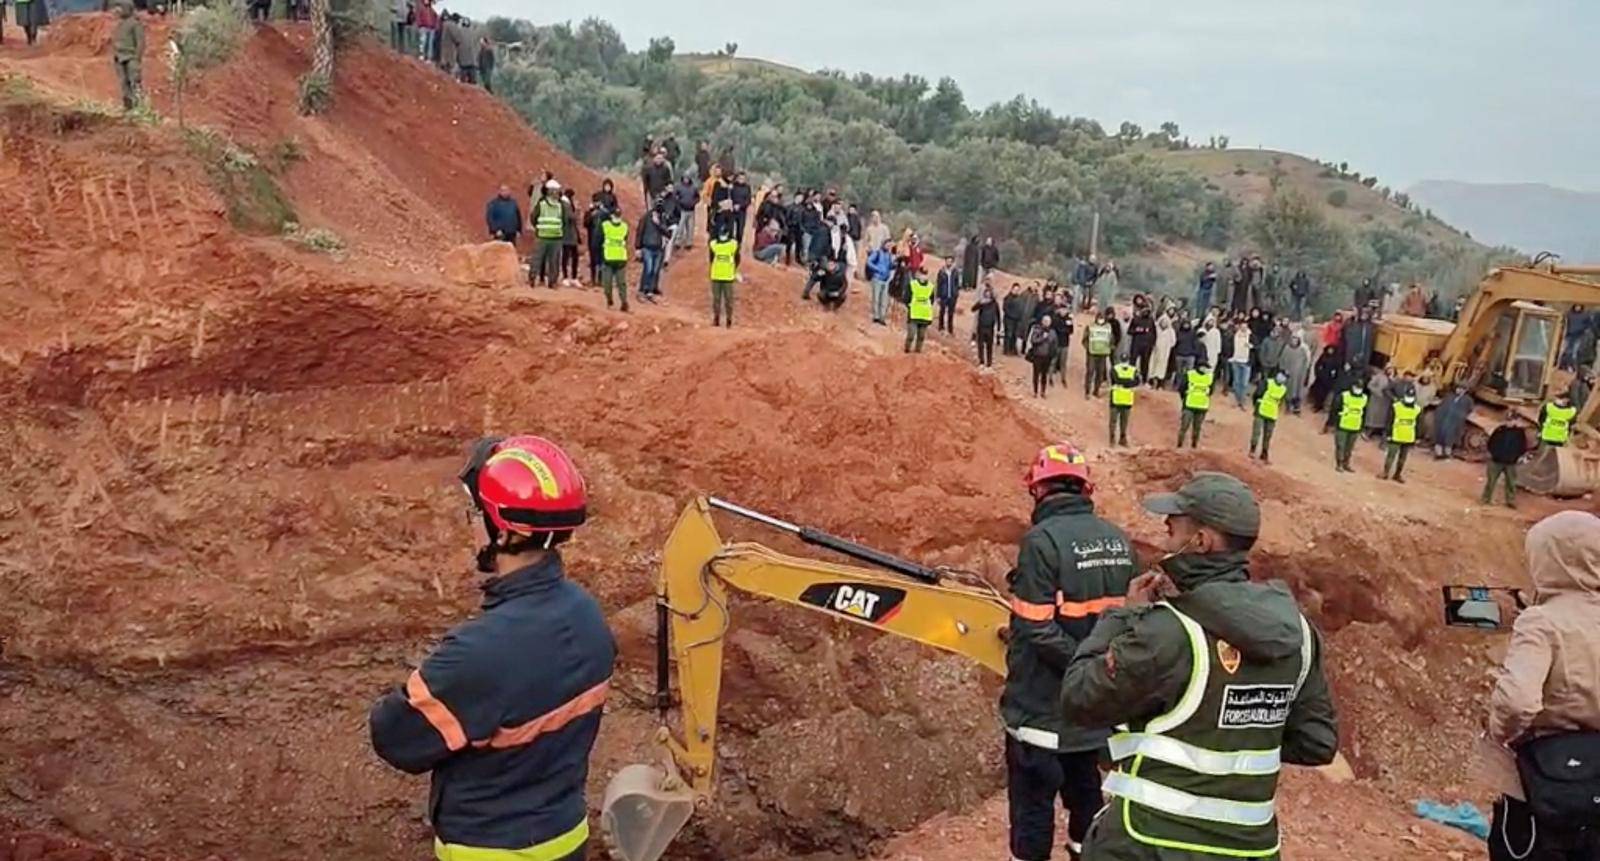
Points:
[(1532, 217)]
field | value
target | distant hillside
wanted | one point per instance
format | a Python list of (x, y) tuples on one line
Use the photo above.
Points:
[(1529, 216), (1045, 185), (1246, 175), (722, 64)]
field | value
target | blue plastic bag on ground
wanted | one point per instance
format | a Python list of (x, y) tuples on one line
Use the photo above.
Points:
[(1465, 816)]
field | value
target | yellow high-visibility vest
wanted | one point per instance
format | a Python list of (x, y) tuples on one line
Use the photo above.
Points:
[(548, 219), (1267, 407), (1099, 339), (921, 307), (1122, 377), (1405, 423), (1198, 394), (1557, 428), (723, 266), (614, 241), (1351, 407)]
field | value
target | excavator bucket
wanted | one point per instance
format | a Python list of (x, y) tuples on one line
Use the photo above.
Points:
[(641, 815)]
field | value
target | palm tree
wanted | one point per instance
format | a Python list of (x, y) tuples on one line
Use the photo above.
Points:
[(316, 88)]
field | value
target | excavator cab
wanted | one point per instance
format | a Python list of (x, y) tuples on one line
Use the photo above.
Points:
[(1522, 355)]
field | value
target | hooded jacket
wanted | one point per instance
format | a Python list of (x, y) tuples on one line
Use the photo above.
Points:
[(1550, 680), (1296, 363), (1137, 662), (1071, 567)]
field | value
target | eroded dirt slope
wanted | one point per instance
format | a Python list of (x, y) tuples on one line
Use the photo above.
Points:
[(228, 519)]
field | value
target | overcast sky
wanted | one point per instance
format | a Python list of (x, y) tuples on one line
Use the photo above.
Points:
[(1476, 90)]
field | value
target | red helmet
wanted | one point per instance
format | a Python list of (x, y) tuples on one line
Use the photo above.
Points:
[(526, 485), (1062, 460)]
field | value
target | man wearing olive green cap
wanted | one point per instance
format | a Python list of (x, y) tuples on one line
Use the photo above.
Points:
[(1216, 681)]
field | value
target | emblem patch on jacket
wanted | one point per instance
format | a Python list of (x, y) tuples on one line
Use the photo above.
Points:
[(1229, 656)]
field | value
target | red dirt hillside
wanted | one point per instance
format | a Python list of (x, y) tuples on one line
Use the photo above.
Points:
[(228, 515), (402, 165)]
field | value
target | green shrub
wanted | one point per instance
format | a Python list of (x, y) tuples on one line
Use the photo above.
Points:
[(314, 239), (255, 203), (287, 152), (206, 37), (1338, 197)]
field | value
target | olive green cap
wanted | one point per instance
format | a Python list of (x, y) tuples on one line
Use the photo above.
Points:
[(1219, 501)]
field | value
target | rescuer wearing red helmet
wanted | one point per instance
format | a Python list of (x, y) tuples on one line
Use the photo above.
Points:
[(1071, 566), (505, 710)]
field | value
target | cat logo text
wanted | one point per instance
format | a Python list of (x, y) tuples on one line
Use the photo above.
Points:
[(861, 601)]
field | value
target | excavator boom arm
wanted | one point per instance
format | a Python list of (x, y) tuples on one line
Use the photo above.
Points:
[(644, 806), (697, 569)]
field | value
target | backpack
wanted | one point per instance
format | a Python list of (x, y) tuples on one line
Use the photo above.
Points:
[(1561, 778)]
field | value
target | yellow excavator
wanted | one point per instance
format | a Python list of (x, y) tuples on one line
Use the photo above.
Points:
[(645, 806), (1505, 350)]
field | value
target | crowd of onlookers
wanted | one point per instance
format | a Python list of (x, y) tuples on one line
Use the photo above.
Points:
[(454, 43)]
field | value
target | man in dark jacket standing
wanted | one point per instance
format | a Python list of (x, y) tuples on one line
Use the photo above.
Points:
[(507, 739), (988, 259), (1358, 338), (650, 238), (1299, 291), (971, 256), (1142, 340), (688, 193), (742, 196), (987, 309), (1072, 566), (1507, 445), (702, 161), (946, 289), (1218, 680), (1011, 317), (656, 176), (504, 216)]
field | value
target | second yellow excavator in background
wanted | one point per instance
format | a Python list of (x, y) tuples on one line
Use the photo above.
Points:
[(645, 806), (1505, 350)]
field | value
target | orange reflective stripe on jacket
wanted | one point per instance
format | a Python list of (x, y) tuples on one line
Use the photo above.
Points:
[(1032, 612), (550, 721), (1085, 609), (437, 713)]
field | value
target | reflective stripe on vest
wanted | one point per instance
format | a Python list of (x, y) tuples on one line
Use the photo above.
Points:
[(1351, 408), (1122, 377), (1175, 789), (1405, 423), (921, 307), (1099, 340), (615, 235), (1267, 407), (1036, 737), (1557, 423), (1198, 395), (1179, 803), (553, 849), (1173, 752), (547, 224), (723, 267)]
